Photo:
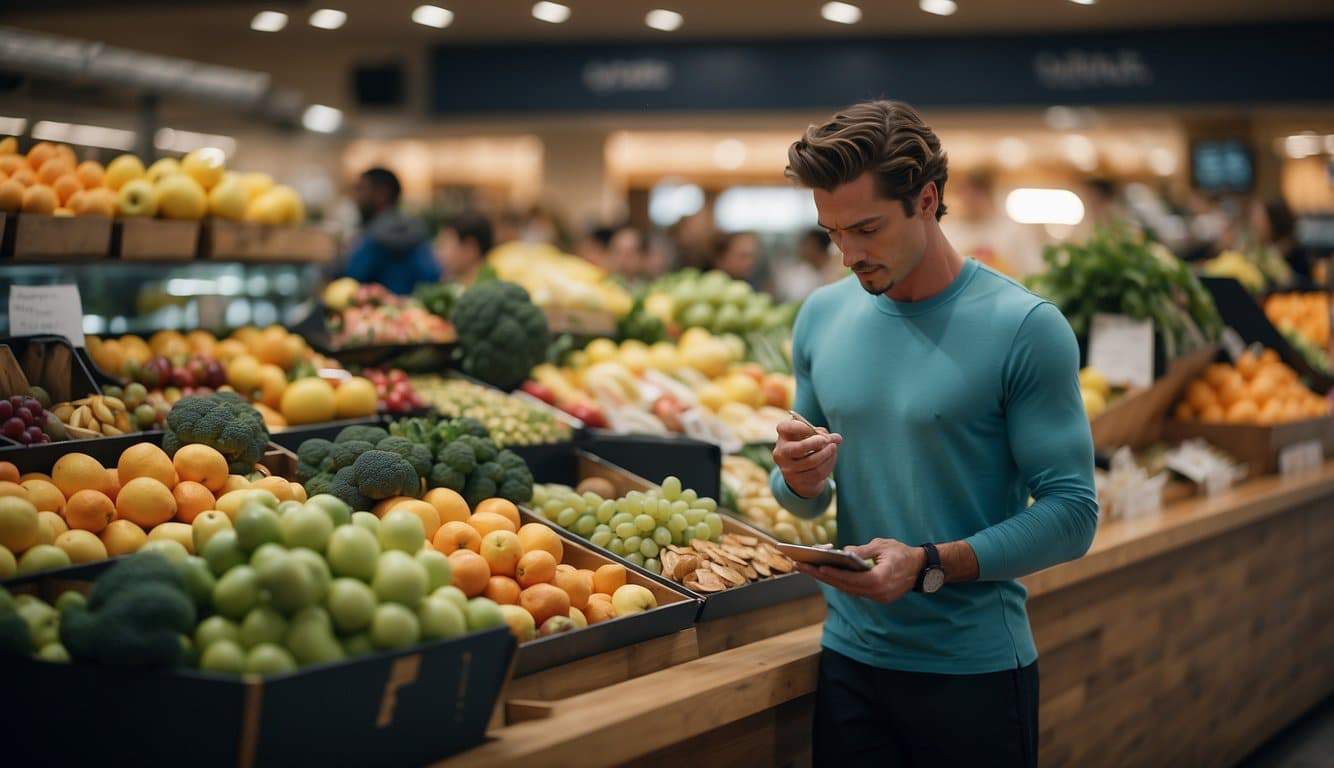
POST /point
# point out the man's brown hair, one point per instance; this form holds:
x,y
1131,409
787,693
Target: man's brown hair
x,y
885,138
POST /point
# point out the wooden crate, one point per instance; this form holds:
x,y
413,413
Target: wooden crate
x,y
157,240
38,237
243,241
1258,447
1137,419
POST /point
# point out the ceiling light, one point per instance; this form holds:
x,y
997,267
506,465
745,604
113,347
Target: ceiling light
x,y
322,119
13,126
1297,146
1084,2
176,140
328,18
841,13
664,20
551,13
938,7
268,21
1044,206
433,16
729,154
83,135
1080,151
1162,161
1011,152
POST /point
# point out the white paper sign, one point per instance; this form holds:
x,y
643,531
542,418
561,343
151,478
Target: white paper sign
x,y
57,309
1301,457
1122,349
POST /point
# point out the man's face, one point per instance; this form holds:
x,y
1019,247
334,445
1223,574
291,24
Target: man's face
x,y
880,243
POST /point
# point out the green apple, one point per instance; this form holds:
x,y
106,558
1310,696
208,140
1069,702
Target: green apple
x,y
223,552
287,506
312,642
265,553
262,625
214,629
484,614
54,652
338,512
223,656
315,614
440,618
632,598
67,598
366,520
351,604
394,626
402,530
438,570
199,581
269,659
42,620
289,583
358,644
399,578
174,551
236,592
307,527
319,570
206,526
257,524
454,595
9,566
353,551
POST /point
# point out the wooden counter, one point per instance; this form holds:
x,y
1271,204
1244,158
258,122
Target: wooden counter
x,y
1184,639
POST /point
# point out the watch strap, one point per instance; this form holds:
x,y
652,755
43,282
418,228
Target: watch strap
x,y
932,561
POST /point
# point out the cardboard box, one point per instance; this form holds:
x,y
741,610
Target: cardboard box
x,y
38,237
244,241
1256,446
157,240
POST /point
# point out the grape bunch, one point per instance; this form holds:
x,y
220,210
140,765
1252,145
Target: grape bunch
x,y
24,420
636,526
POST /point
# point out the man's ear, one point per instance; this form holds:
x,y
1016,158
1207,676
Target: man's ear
x,y
929,200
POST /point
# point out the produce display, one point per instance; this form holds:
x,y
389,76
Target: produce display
x,y
1258,389
1303,319
746,492
715,302
509,420
502,334
734,561
556,280
636,526
25,420
49,180
1096,392
394,393
1255,268
366,315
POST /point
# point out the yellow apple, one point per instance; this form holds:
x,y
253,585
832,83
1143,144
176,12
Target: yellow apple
x,y
632,598
256,184
163,168
205,166
280,205
136,198
228,199
181,197
122,169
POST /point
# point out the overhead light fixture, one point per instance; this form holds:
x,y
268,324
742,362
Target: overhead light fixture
x,y
175,140
1044,206
1300,145
328,18
1080,151
939,7
433,16
1084,2
13,126
841,13
268,21
664,20
1162,161
1011,152
83,135
322,119
551,13
729,154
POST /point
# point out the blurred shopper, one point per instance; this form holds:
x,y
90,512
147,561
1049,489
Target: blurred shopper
x,y
978,230
943,395
393,249
625,253
595,247
461,247
814,266
1273,226
738,255
1102,209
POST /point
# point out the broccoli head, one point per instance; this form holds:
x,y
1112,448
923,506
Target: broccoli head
x,y
478,488
136,617
344,486
502,334
222,420
366,432
319,483
419,456
459,455
516,482
381,474
482,447
451,430
312,452
445,476
344,454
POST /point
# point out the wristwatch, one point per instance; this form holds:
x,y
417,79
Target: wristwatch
x,y
932,577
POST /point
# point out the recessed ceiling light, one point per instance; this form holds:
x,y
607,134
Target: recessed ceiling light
x,y
664,20
1084,2
322,119
841,13
328,18
268,21
433,16
552,13
938,7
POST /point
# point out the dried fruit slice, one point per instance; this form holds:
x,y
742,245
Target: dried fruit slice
x,y
730,575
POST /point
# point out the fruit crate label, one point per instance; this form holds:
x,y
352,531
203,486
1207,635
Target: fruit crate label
x,y
1301,457
1122,349
36,309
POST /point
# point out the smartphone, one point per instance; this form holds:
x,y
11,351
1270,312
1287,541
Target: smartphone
x,y
836,558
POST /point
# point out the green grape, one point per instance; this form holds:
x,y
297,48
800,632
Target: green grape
x,y
652,564
662,536
682,538
626,530
620,517
715,523
600,538
679,507
623,505
552,507
689,496
592,499
635,497
634,506
706,504
677,523
671,488
586,524
539,495
578,503
632,543
567,517
616,545
649,547
636,558
695,516
665,507
702,531
645,523
602,527
606,510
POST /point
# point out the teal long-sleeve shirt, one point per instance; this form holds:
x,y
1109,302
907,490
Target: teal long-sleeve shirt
x,y
953,410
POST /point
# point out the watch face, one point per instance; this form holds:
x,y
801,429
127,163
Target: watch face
x,y
933,580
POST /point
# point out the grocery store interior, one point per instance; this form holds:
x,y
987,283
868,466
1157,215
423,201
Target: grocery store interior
x,y
448,356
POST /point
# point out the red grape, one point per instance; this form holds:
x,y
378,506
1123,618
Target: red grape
x,y
45,438
34,434
14,428
25,415
6,410
33,406
16,401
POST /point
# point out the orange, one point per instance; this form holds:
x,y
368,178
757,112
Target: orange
x,y
565,567
609,578
192,499
40,153
1264,386
89,511
9,472
544,601
502,551
76,202
299,492
599,611
1213,414
55,525
502,589
272,384
11,195
26,476
44,495
14,489
181,533
453,536
1216,374
233,483
270,346
202,342
113,483
471,573
122,537
1183,412
448,503
39,198
66,187
76,472
25,176
486,522
243,374
146,460
1200,396
578,587
90,173
10,163
278,486
1231,393
82,546
424,512
534,536
201,464
1272,412
1243,411
1247,365
272,419
228,349
503,507
145,501
53,169
383,506
536,567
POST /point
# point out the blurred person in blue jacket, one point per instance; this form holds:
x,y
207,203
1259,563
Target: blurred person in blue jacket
x,y
394,249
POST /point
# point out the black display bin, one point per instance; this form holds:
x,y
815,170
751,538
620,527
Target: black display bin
x,y
698,464
1243,314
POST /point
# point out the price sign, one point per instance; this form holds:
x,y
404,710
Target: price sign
x,y
1122,349
57,309
1301,457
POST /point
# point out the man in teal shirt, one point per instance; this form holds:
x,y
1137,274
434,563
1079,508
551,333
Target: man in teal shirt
x,y
945,395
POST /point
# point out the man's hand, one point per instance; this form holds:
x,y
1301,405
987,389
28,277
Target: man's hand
x,y
806,458
893,575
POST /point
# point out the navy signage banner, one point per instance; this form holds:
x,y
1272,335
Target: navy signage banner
x,y
1210,65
